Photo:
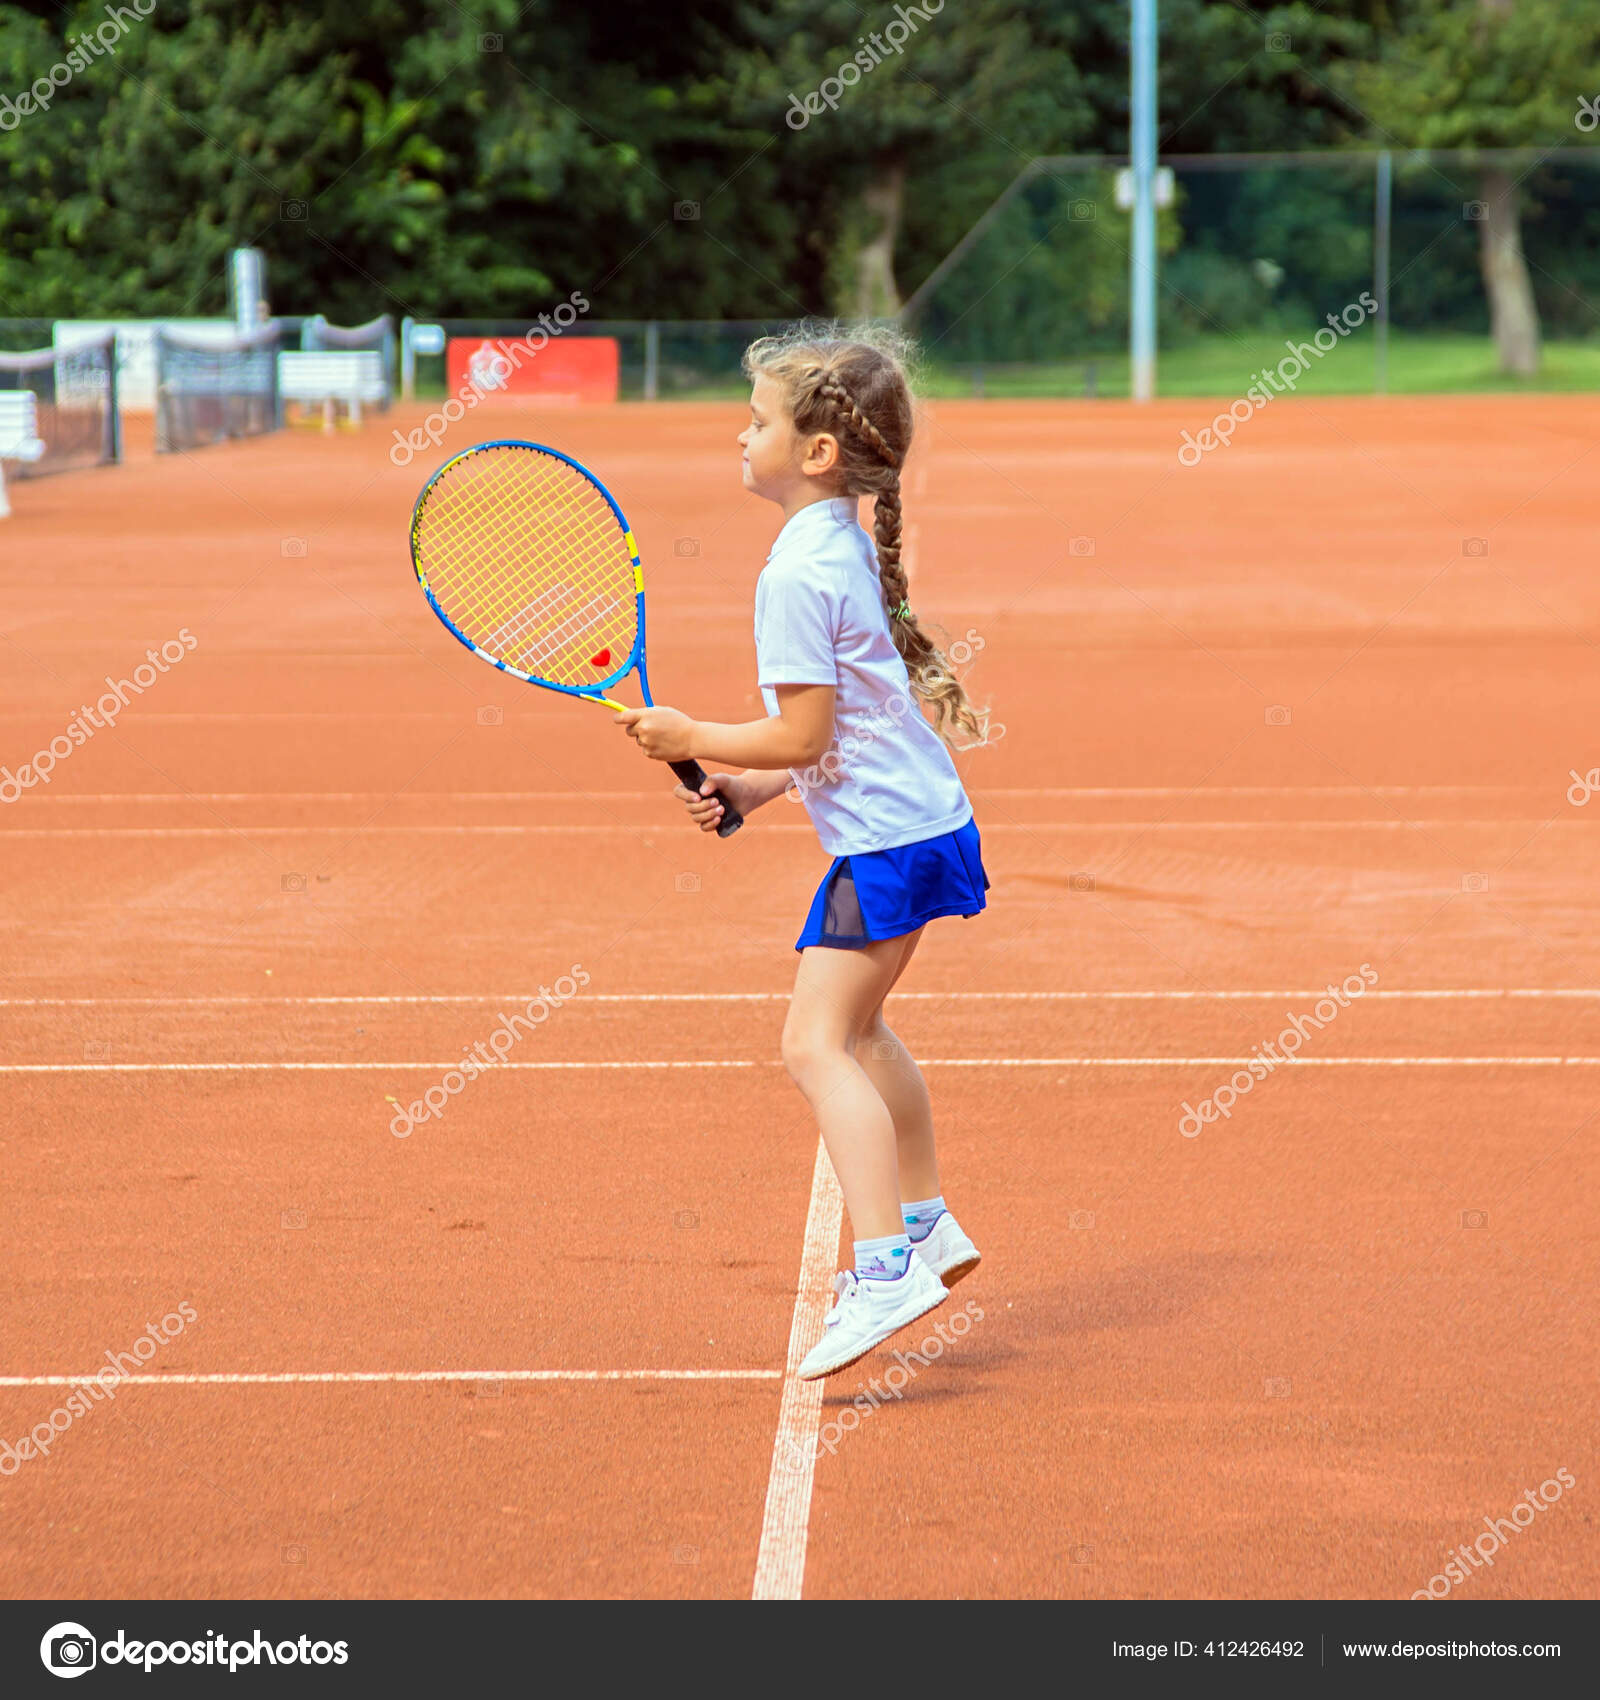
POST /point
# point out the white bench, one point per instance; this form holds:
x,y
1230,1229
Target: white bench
x,y
19,434
326,377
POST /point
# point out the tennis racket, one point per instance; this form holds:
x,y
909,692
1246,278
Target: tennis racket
x,y
526,558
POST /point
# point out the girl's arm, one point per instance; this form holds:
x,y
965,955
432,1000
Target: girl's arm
x,y
795,736
761,785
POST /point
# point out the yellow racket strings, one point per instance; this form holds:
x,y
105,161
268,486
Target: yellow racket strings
x,y
528,561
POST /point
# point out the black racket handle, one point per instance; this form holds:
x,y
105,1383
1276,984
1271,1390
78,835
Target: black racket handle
x,y
694,776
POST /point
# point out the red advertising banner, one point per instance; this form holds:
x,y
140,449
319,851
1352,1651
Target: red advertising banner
x,y
572,369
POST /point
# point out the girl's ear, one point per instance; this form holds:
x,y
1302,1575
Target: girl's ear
x,y
821,456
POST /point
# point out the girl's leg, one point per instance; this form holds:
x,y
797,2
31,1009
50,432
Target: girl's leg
x,y
899,1083
836,993
943,1246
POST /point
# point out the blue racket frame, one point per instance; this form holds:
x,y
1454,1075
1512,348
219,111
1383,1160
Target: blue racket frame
x,y
636,657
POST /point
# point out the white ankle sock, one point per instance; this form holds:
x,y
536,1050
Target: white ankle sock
x,y
921,1216
886,1259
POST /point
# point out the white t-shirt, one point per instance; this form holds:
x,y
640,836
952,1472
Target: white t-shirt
x,y
887,778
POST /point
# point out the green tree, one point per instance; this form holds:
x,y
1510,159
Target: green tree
x,y
1233,78
878,109
386,155
1487,75
154,156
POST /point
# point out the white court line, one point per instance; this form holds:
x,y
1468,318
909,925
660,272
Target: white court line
x,y
618,828
785,1524
179,797
428,998
453,1063
309,1378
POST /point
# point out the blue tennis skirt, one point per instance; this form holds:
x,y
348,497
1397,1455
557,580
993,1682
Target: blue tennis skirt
x,y
886,894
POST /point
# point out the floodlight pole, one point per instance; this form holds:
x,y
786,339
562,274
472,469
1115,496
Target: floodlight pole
x,y
1142,157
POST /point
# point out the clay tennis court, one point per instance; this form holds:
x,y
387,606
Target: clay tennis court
x,y
1311,705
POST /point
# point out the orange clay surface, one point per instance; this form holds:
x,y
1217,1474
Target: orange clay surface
x,y
1266,720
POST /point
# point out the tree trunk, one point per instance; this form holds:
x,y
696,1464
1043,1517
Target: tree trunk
x,y
1513,313
875,293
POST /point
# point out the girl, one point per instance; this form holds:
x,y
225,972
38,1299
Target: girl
x,y
844,666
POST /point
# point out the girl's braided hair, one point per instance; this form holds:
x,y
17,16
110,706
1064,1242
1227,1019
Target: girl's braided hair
x,y
854,387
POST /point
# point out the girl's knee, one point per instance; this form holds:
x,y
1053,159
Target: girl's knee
x,y
805,1049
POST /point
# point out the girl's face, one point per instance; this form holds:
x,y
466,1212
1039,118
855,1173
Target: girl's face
x,y
778,463
771,451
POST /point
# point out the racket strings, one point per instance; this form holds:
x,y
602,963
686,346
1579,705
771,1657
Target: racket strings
x,y
527,560
520,531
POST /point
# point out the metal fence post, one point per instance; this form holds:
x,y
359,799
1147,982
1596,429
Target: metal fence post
x,y
1382,218
115,400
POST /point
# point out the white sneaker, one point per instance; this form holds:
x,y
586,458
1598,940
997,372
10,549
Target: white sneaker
x,y
947,1251
867,1312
